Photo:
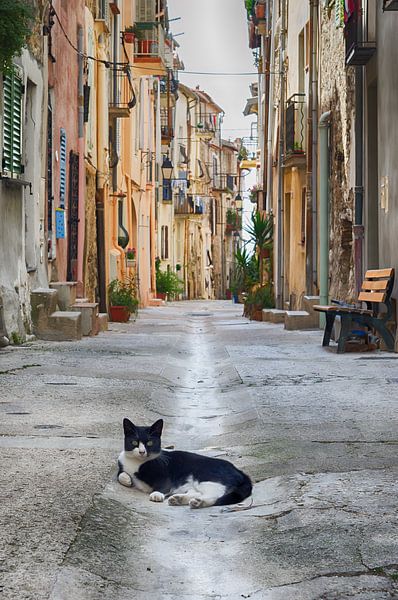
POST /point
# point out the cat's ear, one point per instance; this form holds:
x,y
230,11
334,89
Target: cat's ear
x,y
129,427
157,427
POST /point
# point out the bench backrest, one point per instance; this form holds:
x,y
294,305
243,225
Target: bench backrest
x,y
377,286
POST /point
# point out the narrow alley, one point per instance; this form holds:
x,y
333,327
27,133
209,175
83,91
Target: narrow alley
x,y
316,432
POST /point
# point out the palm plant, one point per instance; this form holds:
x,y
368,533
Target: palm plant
x,y
261,232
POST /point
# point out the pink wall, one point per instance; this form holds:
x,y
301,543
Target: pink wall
x,y
63,82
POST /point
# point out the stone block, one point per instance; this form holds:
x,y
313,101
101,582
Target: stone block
x,y
102,322
64,326
67,291
298,319
89,312
277,315
266,314
43,303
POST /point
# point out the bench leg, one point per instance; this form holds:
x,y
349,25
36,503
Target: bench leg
x,y
345,330
385,333
330,316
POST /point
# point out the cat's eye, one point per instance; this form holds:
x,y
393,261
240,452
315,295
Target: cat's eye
x,y
135,443
149,443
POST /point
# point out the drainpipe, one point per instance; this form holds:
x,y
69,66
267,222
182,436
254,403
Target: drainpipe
x,y
281,187
358,212
314,176
271,110
324,124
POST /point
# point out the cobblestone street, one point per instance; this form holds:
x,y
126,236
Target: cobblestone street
x,y
316,431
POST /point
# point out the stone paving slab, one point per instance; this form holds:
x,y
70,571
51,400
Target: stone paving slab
x,y
315,430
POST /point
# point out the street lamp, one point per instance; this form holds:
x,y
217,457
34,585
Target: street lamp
x,y
238,202
167,168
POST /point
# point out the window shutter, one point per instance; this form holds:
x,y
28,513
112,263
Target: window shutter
x,y
62,173
12,125
145,11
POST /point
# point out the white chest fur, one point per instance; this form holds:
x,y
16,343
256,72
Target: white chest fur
x,y
131,464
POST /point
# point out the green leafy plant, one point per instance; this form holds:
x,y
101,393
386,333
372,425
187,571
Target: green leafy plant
x,y
261,230
123,293
260,297
16,19
167,282
246,272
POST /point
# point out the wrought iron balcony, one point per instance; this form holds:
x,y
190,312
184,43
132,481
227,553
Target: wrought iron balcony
x,y
358,48
189,205
207,124
149,45
121,97
234,221
390,5
222,181
295,125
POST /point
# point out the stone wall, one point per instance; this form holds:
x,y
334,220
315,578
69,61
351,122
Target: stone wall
x,y
90,239
337,95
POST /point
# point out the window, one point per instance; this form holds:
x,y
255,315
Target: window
x,y
165,242
12,124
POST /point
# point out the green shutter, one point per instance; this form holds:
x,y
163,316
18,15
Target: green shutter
x,y
12,131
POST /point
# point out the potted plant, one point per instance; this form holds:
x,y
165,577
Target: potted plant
x,y
258,298
260,10
168,285
123,301
129,35
130,257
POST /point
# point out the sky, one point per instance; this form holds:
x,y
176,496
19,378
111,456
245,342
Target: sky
x,y
215,39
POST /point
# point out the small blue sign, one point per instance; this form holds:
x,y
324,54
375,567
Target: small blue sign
x,y
60,223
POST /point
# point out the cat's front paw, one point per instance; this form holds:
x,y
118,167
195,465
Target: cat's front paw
x,y
125,479
156,497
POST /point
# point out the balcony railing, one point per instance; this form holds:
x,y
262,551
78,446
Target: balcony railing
x,y
295,125
189,205
224,182
207,124
390,5
358,48
234,221
149,43
121,97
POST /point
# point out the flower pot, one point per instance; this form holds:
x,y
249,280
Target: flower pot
x,y
228,294
161,295
260,11
129,37
131,263
266,253
119,314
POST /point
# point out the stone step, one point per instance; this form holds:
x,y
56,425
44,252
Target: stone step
x,y
89,312
102,322
43,303
156,302
67,292
266,314
298,319
277,315
62,326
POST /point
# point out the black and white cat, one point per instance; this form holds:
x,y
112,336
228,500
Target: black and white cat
x,y
182,477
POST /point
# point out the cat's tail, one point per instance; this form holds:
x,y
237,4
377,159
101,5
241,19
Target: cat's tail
x,y
237,493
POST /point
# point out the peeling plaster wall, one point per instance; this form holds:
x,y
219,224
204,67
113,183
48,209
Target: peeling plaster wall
x,y
337,95
23,263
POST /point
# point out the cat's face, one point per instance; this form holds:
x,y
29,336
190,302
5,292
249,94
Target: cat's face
x,y
142,442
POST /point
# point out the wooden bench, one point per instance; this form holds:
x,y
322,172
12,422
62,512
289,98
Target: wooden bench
x,y
375,292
